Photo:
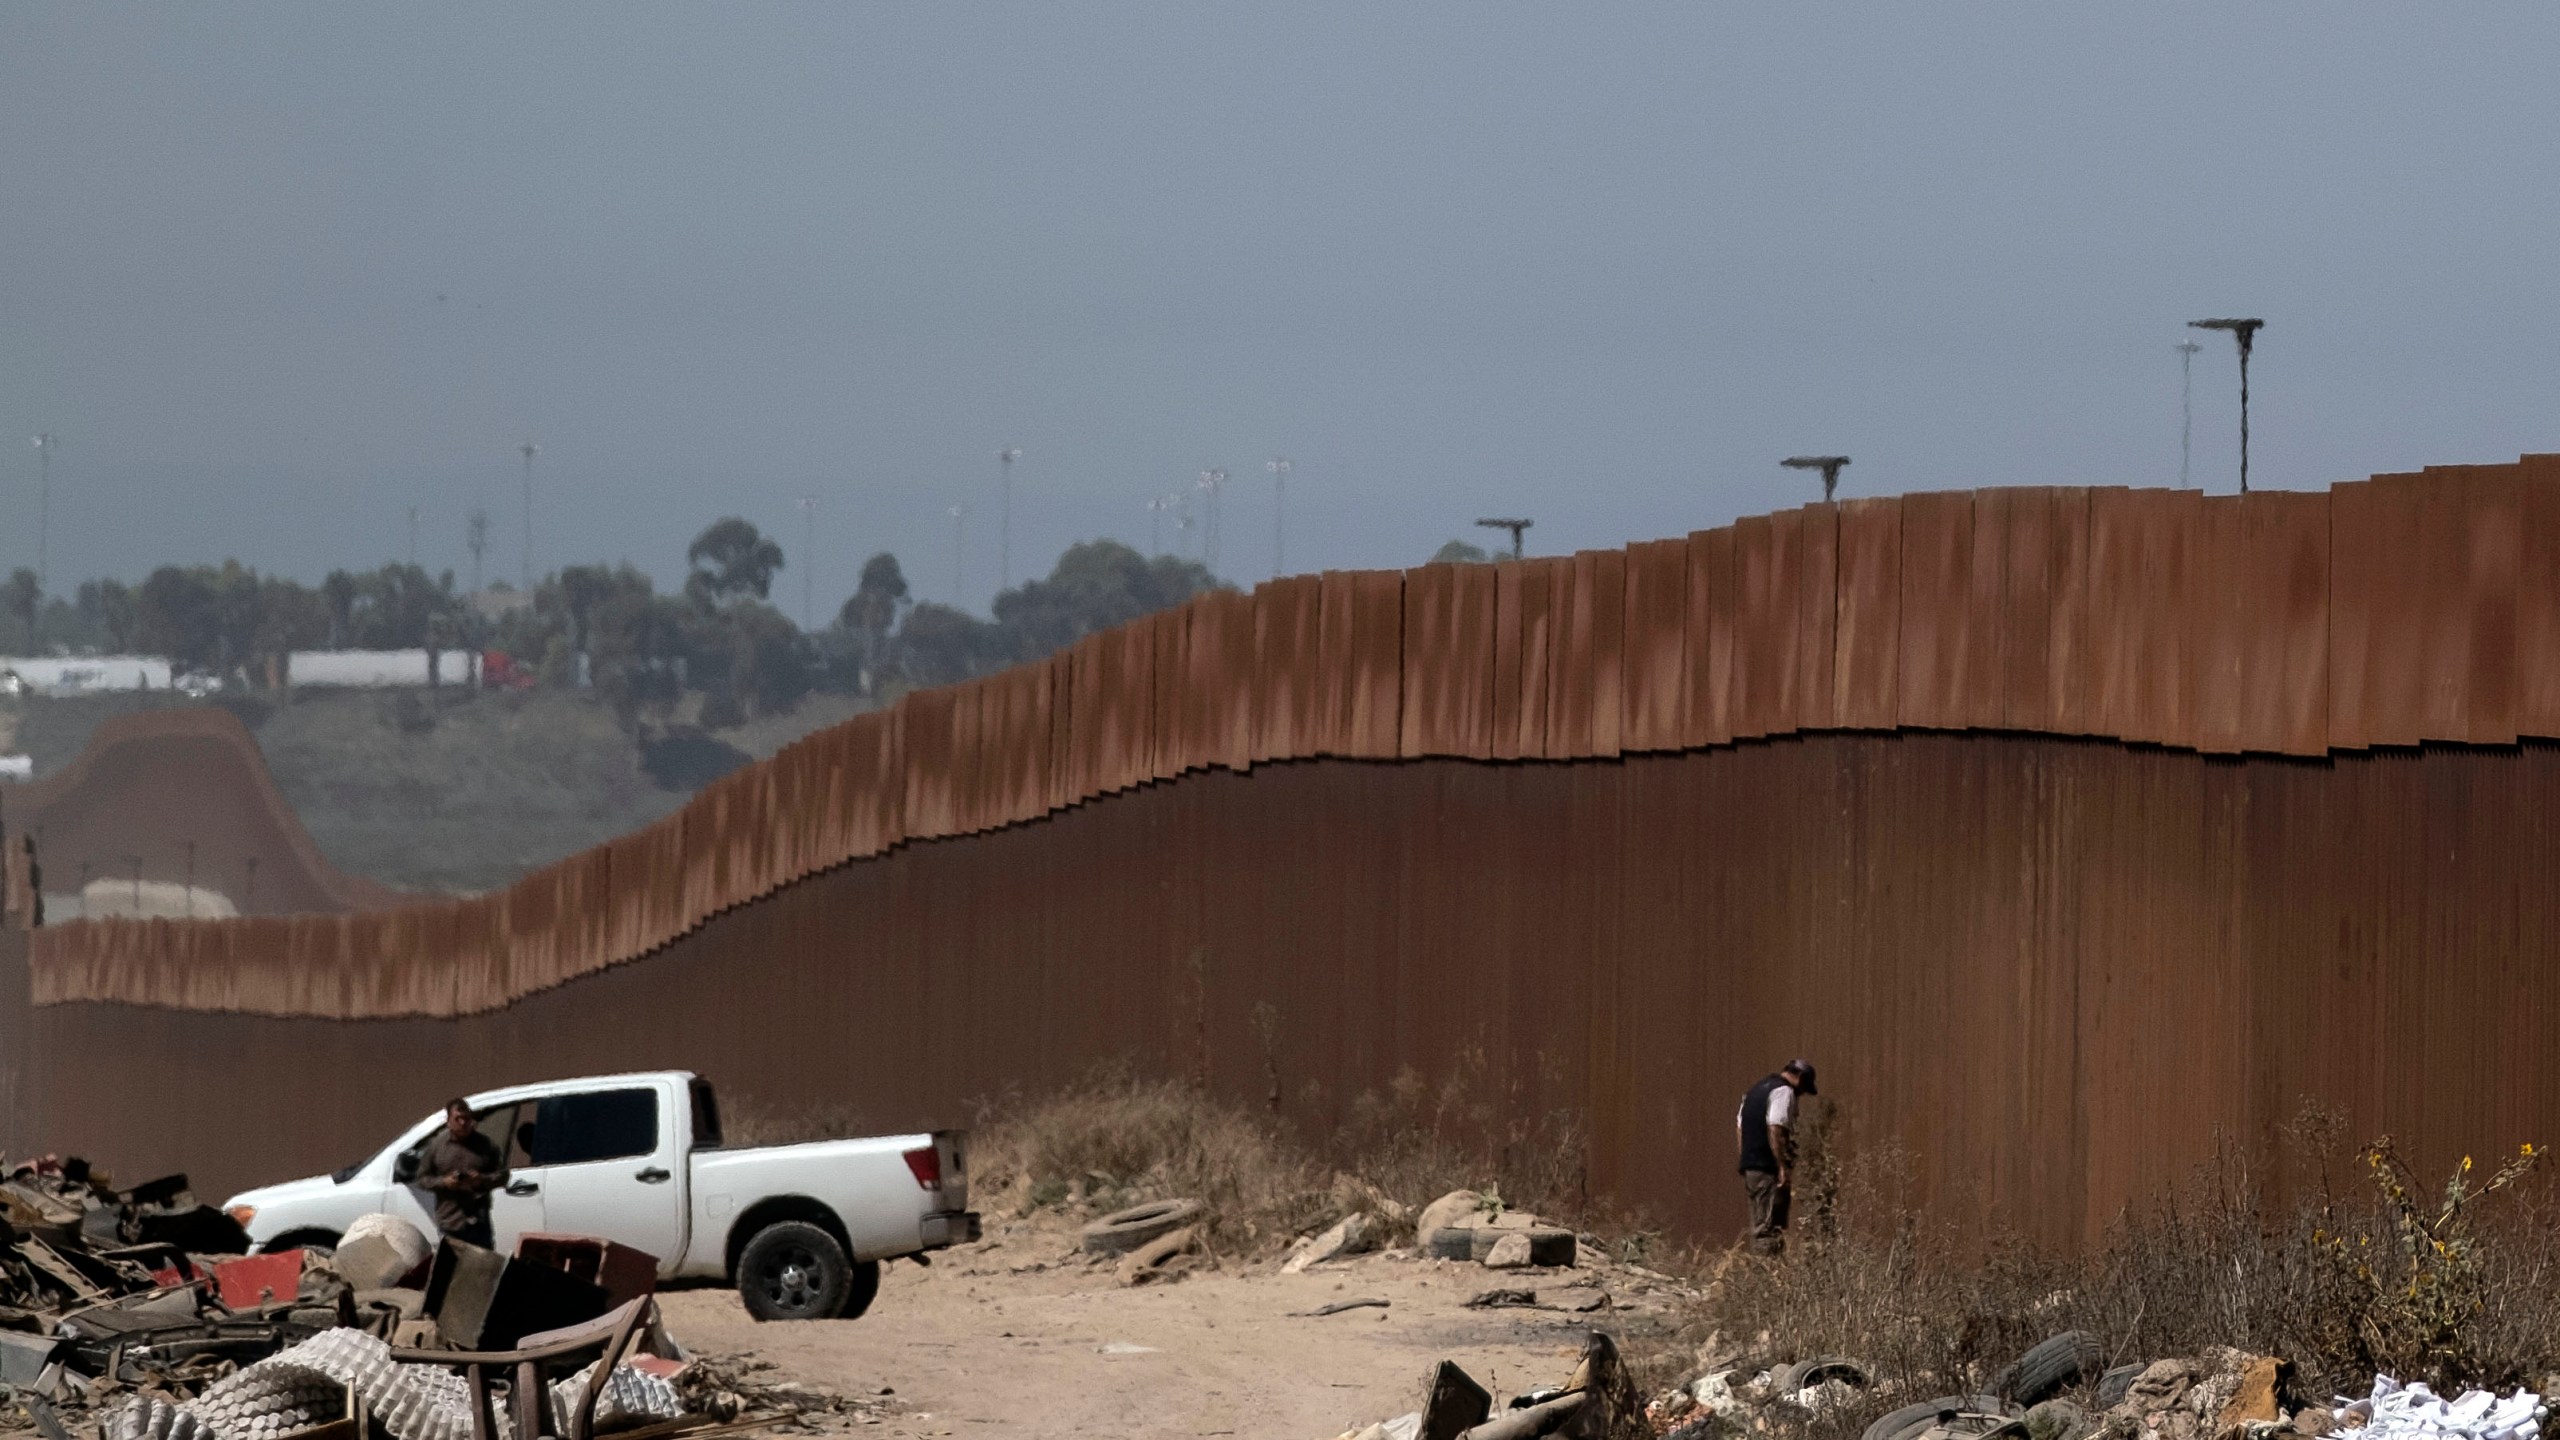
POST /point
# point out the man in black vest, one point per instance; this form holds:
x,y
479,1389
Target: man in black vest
x,y
1764,1130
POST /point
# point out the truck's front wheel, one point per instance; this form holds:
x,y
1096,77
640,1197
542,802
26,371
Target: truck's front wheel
x,y
792,1270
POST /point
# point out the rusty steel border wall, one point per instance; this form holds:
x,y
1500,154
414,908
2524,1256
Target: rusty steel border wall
x,y
2390,612
2073,830
2053,973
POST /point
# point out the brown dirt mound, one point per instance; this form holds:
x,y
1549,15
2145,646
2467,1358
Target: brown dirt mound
x,y
185,796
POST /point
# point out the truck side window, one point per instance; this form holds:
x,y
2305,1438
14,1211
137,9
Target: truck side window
x,y
598,1125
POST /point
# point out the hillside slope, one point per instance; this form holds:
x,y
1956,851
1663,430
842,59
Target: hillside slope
x,y
451,790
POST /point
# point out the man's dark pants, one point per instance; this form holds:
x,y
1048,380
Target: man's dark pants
x,y
475,1233
1768,1211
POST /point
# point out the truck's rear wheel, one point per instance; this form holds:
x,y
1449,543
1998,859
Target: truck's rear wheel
x,y
792,1270
865,1289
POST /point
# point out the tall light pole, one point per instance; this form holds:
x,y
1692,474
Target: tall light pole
x,y
808,559
1155,522
1829,465
1278,465
959,531
475,535
2186,409
1210,483
528,450
2245,332
413,537
45,446
1004,549
1517,527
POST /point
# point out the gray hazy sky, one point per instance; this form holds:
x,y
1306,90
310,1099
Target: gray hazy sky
x,y
275,273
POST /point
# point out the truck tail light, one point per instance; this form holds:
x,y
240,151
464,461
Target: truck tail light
x,y
926,1162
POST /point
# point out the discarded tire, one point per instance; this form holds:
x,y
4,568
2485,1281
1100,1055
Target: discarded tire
x,y
1788,1379
1548,1244
792,1270
1122,1231
2041,1373
2113,1385
1912,1419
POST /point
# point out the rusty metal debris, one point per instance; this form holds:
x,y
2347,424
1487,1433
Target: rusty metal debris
x,y
136,1315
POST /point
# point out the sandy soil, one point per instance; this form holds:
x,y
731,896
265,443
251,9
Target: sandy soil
x,y
1018,1336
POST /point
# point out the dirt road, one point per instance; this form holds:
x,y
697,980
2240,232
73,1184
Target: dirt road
x,y
985,1344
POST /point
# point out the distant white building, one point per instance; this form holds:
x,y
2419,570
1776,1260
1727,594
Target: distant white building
x,y
83,674
380,669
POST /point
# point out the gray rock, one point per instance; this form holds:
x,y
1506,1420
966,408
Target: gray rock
x,y
1458,1207
1349,1236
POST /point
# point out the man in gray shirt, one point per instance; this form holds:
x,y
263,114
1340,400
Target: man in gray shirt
x,y
461,1168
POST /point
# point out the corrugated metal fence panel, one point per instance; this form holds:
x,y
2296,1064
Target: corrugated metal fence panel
x,y
1377,662
1065,786
1602,586
2495,554
2356,545
1657,626
1430,613
1817,619
1286,619
1710,715
2398,620
924,722
1569,681
1986,670
2538,598
1470,662
2217,626
1870,641
1336,660
2028,604
1166,735
1227,688
1504,742
1126,734
2074,701
1769,579
2285,589
2114,658
1937,610
1540,581
2443,585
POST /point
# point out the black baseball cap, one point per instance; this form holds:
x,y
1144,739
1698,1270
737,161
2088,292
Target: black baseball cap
x,y
1804,1071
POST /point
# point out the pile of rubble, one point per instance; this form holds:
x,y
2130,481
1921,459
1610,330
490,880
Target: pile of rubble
x,y
1598,1401
137,1315
2064,1389
1165,1239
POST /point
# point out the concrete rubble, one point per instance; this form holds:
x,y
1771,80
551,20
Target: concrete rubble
x,y
2064,1390
1598,1401
137,1315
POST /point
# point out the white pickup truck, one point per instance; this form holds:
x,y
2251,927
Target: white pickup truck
x,y
800,1229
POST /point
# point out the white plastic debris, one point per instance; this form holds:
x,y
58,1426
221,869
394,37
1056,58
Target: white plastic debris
x,y
631,1397
2413,1412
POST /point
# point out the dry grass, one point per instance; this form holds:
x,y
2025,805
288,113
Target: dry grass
x,y
2455,1288
1119,1138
